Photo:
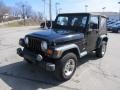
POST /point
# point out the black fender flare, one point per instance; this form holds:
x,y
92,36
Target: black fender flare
x,y
66,48
100,39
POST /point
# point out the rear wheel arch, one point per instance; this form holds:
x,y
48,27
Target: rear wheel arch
x,y
105,39
100,52
100,40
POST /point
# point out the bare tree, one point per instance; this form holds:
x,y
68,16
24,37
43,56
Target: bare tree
x,y
3,10
15,12
20,10
28,11
40,16
25,10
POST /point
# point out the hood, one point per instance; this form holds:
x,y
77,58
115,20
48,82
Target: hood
x,y
58,35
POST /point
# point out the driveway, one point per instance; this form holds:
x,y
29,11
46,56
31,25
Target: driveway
x,y
92,73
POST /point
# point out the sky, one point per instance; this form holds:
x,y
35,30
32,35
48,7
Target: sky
x,y
71,5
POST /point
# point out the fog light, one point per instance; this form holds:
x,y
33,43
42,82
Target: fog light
x,y
19,52
39,58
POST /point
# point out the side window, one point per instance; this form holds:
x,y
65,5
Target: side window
x,y
103,23
94,22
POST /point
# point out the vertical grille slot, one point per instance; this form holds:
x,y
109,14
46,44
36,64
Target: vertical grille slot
x,y
34,44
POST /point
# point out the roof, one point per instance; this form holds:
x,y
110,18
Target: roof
x,y
99,14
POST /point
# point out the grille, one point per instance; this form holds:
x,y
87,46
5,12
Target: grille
x,y
34,44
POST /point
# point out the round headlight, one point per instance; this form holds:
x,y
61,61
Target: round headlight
x,y
26,40
44,45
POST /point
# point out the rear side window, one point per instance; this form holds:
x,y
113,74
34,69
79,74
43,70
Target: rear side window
x,y
94,22
103,23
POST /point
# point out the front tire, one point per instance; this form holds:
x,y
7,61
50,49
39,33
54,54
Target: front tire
x,y
100,52
65,67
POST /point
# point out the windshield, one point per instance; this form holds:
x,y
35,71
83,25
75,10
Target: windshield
x,y
71,21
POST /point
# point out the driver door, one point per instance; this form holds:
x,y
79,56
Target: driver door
x,y
92,33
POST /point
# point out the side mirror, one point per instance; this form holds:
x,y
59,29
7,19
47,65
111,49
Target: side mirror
x,y
49,24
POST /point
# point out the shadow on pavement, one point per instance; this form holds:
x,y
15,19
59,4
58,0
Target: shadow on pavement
x,y
32,73
90,56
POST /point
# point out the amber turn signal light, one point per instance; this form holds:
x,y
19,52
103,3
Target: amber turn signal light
x,y
49,52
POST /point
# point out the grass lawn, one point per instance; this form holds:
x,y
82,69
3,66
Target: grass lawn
x,y
21,23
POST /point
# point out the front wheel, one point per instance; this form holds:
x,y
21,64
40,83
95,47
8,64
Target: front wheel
x,y
66,67
100,52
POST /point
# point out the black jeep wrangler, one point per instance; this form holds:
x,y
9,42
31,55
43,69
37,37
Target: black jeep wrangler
x,y
72,36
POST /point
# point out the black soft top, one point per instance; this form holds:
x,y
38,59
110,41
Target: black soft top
x,y
98,14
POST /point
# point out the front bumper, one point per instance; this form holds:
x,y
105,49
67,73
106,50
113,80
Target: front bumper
x,y
36,58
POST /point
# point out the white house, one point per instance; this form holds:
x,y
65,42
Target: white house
x,y
5,16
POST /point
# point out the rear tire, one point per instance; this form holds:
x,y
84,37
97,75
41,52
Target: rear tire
x,y
100,52
65,67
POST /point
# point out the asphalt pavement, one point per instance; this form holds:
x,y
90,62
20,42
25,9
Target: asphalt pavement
x,y
92,73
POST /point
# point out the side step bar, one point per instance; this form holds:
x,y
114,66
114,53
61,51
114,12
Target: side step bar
x,y
83,54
